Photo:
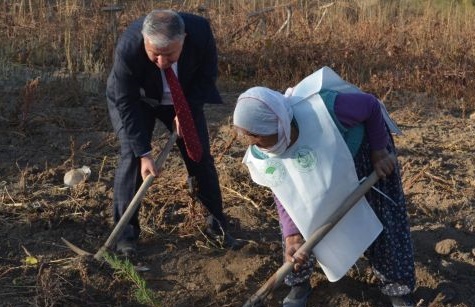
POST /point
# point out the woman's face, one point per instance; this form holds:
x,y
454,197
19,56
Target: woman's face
x,y
261,141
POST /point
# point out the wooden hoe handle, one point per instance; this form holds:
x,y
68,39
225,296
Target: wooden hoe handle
x,y
129,212
278,277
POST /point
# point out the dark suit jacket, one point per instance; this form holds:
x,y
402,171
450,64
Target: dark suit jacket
x,y
132,70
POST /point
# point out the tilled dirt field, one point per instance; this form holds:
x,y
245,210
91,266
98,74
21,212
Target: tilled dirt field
x,y
59,128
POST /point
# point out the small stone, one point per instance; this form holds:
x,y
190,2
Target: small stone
x,y
76,176
446,246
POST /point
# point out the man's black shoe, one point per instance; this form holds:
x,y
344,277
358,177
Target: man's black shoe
x,y
127,248
224,239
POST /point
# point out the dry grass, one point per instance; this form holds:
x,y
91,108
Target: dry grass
x,y
419,46
416,46
387,48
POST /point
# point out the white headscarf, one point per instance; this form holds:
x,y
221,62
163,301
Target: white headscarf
x,y
262,111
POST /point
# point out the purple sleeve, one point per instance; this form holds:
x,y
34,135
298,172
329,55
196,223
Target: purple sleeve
x,y
288,226
352,109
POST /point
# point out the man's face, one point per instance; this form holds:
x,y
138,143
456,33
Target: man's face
x,y
166,56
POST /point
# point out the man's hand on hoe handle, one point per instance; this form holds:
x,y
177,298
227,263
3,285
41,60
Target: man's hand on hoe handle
x,y
148,167
147,164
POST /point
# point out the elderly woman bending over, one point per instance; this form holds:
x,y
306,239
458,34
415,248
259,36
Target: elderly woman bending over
x,y
296,140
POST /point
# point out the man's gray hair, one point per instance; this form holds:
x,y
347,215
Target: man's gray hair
x,y
162,27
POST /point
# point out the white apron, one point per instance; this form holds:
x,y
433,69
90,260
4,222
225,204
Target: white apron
x,y
312,178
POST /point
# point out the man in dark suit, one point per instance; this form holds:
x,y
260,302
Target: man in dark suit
x,y
138,94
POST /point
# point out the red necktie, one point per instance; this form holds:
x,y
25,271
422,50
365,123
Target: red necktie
x,y
182,110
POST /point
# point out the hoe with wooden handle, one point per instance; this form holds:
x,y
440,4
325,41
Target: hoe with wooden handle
x,y
134,204
277,278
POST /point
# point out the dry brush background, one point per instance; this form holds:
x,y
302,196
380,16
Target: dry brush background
x,y
418,56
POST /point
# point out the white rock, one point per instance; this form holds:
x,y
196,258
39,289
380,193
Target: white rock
x,y
446,246
76,176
